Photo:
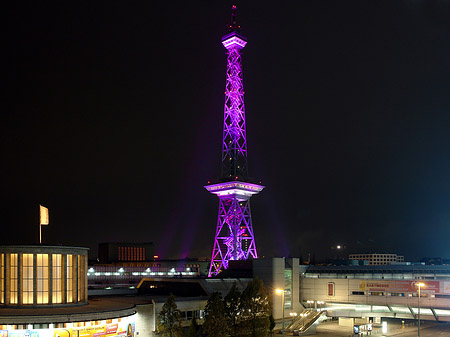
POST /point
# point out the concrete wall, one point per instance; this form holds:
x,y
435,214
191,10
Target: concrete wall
x,y
344,301
145,321
271,272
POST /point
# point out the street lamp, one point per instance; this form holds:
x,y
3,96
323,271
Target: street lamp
x,y
319,303
281,292
420,285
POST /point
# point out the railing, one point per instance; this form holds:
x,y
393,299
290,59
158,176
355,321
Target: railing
x,y
304,321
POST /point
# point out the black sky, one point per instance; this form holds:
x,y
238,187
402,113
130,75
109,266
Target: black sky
x,y
113,110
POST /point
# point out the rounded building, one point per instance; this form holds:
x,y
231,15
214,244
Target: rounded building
x,y
44,293
43,275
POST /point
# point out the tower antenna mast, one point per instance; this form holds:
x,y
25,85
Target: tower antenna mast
x,y
234,239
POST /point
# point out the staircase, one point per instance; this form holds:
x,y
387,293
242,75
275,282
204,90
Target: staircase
x,y
304,321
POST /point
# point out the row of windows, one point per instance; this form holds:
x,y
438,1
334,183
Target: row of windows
x,y
131,254
35,286
378,257
370,256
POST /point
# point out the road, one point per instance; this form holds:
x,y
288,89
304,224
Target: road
x,y
441,330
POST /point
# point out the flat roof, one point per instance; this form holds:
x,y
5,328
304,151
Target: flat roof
x,y
390,269
96,309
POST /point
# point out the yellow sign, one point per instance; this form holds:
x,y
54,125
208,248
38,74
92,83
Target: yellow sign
x,y
63,333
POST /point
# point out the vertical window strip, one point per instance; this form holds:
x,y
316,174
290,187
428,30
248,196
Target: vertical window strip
x,y
288,289
2,280
27,280
13,278
56,278
42,278
80,272
69,279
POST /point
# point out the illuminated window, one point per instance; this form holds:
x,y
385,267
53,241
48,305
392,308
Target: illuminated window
x,y
330,289
80,273
57,278
27,281
69,278
14,278
288,289
2,281
42,278
376,293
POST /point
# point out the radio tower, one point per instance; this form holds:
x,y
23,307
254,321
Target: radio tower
x,y
234,239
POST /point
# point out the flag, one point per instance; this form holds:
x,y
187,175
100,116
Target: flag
x,y
44,215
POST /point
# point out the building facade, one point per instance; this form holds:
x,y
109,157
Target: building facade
x,y
377,259
126,252
43,293
379,291
42,275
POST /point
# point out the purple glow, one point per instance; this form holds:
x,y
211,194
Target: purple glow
x,y
234,144
234,239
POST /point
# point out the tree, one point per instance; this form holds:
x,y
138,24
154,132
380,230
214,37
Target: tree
x,y
232,309
193,328
215,324
169,319
255,310
272,324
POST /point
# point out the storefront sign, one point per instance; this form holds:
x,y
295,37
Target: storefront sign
x,y
399,286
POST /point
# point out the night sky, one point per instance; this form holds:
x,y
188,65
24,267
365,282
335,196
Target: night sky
x,y
113,111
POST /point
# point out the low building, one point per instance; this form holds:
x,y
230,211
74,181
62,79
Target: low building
x,y
379,291
43,293
126,252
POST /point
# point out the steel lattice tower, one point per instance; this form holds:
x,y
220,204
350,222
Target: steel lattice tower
x,y
234,239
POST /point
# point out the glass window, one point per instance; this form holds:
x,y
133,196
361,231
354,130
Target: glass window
x,y
27,280
80,272
2,280
331,289
288,289
14,278
42,278
57,278
69,278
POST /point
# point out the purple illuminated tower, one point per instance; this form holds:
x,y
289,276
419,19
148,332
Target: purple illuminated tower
x,y
234,239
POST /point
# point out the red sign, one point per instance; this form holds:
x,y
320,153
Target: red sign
x,y
111,328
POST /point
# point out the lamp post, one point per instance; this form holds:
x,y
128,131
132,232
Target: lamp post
x,y
319,303
293,315
420,285
281,292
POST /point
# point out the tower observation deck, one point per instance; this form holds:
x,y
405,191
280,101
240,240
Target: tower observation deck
x,y
234,239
